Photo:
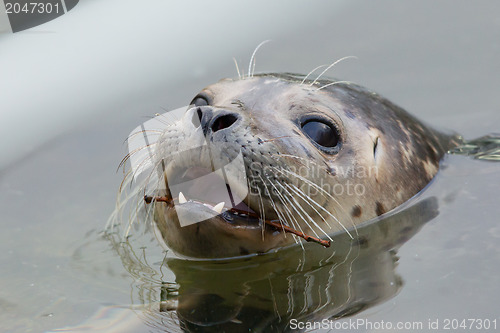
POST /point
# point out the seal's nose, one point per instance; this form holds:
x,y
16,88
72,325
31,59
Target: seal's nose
x,y
214,120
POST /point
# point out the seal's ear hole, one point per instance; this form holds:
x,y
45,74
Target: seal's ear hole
x,y
375,145
323,134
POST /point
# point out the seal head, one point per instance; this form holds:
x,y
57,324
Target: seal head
x,y
319,157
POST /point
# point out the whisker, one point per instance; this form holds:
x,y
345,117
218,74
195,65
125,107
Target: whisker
x,y
322,208
144,131
307,198
302,159
333,64
295,238
169,120
259,202
124,198
276,138
262,211
273,204
127,157
144,162
308,74
294,206
306,214
121,202
290,222
279,225
161,117
133,214
324,193
332,83
237,68
252,59
281,198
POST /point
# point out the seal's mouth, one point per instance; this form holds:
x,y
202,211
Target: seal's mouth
x,y
237,216
201,188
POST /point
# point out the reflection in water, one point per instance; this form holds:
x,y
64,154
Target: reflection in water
x,y
264,292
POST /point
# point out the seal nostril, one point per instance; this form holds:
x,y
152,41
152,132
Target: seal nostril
x,y
224,121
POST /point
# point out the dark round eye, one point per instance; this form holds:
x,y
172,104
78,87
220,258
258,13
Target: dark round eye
x,y
199,101
323,134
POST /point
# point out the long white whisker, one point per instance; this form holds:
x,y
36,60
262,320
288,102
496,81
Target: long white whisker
x,y
310,218
322,191
259,201
323,209
333,64
295,238
252,59
307,198
142,164
165,118
144,132
140,203
308,74
262,211
332,83
237,68
124,197
272,203
289,213
303,159
135,151
295,225
294,205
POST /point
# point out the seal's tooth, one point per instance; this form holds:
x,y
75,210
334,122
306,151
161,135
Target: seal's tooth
x,y
218,207
182,198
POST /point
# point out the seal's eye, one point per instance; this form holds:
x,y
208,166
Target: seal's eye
x,y
199,101
323,134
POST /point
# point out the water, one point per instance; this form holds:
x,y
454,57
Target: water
x,y
437,60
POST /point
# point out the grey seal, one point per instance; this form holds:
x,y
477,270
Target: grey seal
x,y
318,158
